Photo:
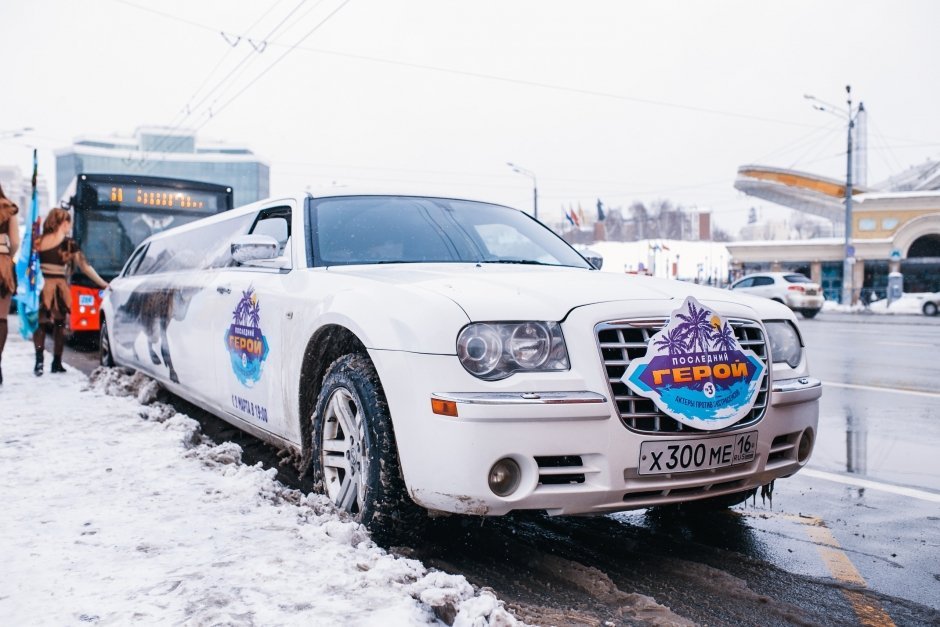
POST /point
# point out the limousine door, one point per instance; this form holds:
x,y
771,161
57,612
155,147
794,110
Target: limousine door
x,y
159,321
251,308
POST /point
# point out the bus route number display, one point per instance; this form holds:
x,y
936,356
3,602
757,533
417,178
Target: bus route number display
x,y
141,196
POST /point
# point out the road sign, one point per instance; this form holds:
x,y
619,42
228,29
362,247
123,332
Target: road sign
x,y
895,255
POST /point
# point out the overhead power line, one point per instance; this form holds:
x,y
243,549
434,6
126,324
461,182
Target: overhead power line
x,y
164,143
496,77
228,102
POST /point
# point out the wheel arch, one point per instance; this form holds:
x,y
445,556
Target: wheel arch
x,y
325,346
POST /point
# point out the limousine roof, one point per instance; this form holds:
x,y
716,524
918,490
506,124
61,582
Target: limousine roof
x,y
360,190
325,192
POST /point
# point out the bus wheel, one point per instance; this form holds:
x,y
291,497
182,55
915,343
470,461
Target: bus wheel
x,y
105,358
355,458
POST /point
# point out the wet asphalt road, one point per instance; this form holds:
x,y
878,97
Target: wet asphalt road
x,y
854,539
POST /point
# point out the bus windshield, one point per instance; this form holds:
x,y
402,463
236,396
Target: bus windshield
x,y
114,213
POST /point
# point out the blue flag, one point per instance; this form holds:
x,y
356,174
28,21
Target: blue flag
x,y
27,267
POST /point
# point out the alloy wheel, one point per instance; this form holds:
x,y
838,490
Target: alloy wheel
x,y
344,454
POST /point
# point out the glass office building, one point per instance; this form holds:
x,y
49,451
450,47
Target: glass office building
x,y
158,151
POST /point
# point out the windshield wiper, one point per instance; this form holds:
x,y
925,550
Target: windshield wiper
x,y
526,262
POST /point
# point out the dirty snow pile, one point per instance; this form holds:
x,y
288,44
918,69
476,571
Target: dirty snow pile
x,y
117,511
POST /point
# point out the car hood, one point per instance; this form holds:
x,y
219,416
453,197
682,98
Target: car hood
x,y
489,292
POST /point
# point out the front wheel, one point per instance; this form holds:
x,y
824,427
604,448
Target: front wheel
x,y
930,309
355,461
105,358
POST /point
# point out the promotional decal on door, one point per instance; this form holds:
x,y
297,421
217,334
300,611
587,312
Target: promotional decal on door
x,y
246,344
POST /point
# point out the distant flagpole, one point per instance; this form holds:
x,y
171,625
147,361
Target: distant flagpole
x,y
27,267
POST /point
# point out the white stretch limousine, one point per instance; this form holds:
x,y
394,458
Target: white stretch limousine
x,y
460,356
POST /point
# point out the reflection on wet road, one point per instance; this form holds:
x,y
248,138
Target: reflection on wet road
x,y
883,434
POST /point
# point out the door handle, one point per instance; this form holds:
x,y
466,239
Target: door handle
x,y
223,290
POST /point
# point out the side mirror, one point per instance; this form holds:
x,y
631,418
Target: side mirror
x,y
594,258
248,248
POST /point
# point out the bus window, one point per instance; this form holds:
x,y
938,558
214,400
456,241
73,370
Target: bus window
x,y
113,213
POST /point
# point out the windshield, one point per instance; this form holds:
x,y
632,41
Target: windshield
x,y
405,229
796,278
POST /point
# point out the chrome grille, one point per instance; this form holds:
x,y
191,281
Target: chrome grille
x,y
622,341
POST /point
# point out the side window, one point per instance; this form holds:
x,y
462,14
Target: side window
x,y
275,223
744,283
206,246
130,269
760,281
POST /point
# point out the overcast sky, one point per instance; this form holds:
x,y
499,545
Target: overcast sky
x,y
619,100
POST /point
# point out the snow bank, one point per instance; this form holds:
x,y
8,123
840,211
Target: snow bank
x,y
118,511
908,304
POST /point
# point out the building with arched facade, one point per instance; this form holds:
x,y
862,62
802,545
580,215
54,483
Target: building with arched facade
x,y
891,232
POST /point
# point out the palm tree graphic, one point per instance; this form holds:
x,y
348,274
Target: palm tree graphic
x,y
696,327
243,308
724,338
254,313
674,341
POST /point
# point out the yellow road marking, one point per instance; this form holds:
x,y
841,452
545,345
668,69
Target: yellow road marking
x,y
842,568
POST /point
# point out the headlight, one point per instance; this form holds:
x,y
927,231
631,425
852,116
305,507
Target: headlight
x,y
495,350
784,343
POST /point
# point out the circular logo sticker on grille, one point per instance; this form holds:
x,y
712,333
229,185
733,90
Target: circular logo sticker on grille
x,y
697,371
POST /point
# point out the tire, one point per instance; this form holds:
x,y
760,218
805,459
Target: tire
x,y
105,357
809,313
930,309
355,458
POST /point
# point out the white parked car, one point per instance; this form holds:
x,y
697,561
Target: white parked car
x,y
460,357
790,288
931,304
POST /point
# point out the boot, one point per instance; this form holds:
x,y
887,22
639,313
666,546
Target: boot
x,y
57,364
37,369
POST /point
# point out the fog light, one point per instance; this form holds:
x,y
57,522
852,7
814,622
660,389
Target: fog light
x,y
805,447
504,477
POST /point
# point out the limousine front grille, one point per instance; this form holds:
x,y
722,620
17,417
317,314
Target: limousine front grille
x,y
622,341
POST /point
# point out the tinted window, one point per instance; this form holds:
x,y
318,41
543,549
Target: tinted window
x,y
796,278
207,246
403,229
762,280
743,283
134,262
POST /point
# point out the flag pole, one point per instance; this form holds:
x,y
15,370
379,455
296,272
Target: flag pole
x,y
27,267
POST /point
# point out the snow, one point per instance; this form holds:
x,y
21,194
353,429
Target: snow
x,y
908,304
118,511
692,259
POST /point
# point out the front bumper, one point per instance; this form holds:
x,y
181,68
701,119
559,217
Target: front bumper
x,y
575,454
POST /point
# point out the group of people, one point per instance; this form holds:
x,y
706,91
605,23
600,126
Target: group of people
x,y
59,254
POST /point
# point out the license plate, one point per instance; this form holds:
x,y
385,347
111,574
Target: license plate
x,y
671,456
86,300
810,292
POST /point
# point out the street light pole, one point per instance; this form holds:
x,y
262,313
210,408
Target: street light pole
x,y
848,263
848,253
535,187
